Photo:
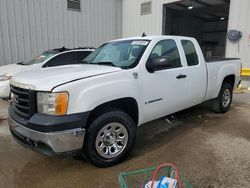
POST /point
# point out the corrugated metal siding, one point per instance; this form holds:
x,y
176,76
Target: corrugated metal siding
x,y
135,24
239,19
28,27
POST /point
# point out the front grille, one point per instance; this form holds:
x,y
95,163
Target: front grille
x,y
23,102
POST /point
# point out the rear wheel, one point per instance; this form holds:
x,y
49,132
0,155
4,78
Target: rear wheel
x,y
110,138
223,102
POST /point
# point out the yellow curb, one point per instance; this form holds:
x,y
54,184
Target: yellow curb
x,y
245,72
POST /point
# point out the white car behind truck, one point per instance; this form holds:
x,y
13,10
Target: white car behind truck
x,y
49,58
95,108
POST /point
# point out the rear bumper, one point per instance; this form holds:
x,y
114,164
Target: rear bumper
x,y
53,143
5,89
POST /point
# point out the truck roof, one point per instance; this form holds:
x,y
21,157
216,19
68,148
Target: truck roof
x,y
63,49
154,37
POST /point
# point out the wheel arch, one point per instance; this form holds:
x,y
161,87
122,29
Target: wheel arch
x,y
127,104
229,79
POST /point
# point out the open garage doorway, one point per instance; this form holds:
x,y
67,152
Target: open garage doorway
x,y
205,20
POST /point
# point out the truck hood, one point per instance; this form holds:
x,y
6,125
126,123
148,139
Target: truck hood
x,y
47,79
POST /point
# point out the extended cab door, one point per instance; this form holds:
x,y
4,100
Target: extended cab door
x,y
164,91
195,71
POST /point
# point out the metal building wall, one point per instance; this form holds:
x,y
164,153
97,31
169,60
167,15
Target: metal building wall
x,y
135,24
28,27
239,18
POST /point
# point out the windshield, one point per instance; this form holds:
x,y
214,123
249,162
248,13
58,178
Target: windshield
x,y
40,58
123,54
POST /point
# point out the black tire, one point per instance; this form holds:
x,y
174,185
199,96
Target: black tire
x,y
219,105
111,116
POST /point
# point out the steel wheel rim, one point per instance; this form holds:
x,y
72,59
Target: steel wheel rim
x,y
226,98
111,140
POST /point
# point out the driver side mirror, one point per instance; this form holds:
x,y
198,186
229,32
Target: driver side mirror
x,y
158,63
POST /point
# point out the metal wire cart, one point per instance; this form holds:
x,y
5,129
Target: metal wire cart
x,y
149,178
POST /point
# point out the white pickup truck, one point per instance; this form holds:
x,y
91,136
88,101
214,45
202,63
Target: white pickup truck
x,y
49,58
95,107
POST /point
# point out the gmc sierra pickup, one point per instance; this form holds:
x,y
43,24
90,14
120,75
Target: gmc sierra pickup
x,y
95,107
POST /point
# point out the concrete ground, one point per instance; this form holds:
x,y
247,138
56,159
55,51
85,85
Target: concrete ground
x,y
210,150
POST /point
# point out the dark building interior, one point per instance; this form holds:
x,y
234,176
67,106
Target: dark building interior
x,y
205,20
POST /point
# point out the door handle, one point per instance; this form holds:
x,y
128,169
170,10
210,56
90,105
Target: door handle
x,y
181,76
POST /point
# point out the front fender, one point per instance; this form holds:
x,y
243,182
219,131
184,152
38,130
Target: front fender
x,y
96,95
87,94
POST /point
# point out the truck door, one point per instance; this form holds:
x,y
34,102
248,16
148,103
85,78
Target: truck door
x,y
164,90
195,71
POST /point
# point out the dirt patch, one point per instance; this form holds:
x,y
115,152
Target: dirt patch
x,y
233,159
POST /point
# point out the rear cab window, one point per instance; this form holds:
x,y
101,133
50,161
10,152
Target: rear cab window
x,y
190,52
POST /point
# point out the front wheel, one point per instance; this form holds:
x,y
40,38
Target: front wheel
x,y
110,138
223,102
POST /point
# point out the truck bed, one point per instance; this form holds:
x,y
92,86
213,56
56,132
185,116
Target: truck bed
x,y
217,59
217,69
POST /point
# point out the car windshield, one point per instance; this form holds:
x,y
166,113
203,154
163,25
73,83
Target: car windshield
x,y
123,54
40,58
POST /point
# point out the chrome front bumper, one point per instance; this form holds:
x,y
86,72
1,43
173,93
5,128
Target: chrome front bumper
x,y
48,143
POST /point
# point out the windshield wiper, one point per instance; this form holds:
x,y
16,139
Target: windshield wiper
x,y
106,63
84,62
21,63
99,63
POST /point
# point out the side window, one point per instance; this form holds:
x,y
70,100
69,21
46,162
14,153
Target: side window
x,y
63,59
167,48
190,52
80,55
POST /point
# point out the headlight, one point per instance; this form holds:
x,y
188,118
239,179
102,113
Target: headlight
x,y
4,78
52,103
